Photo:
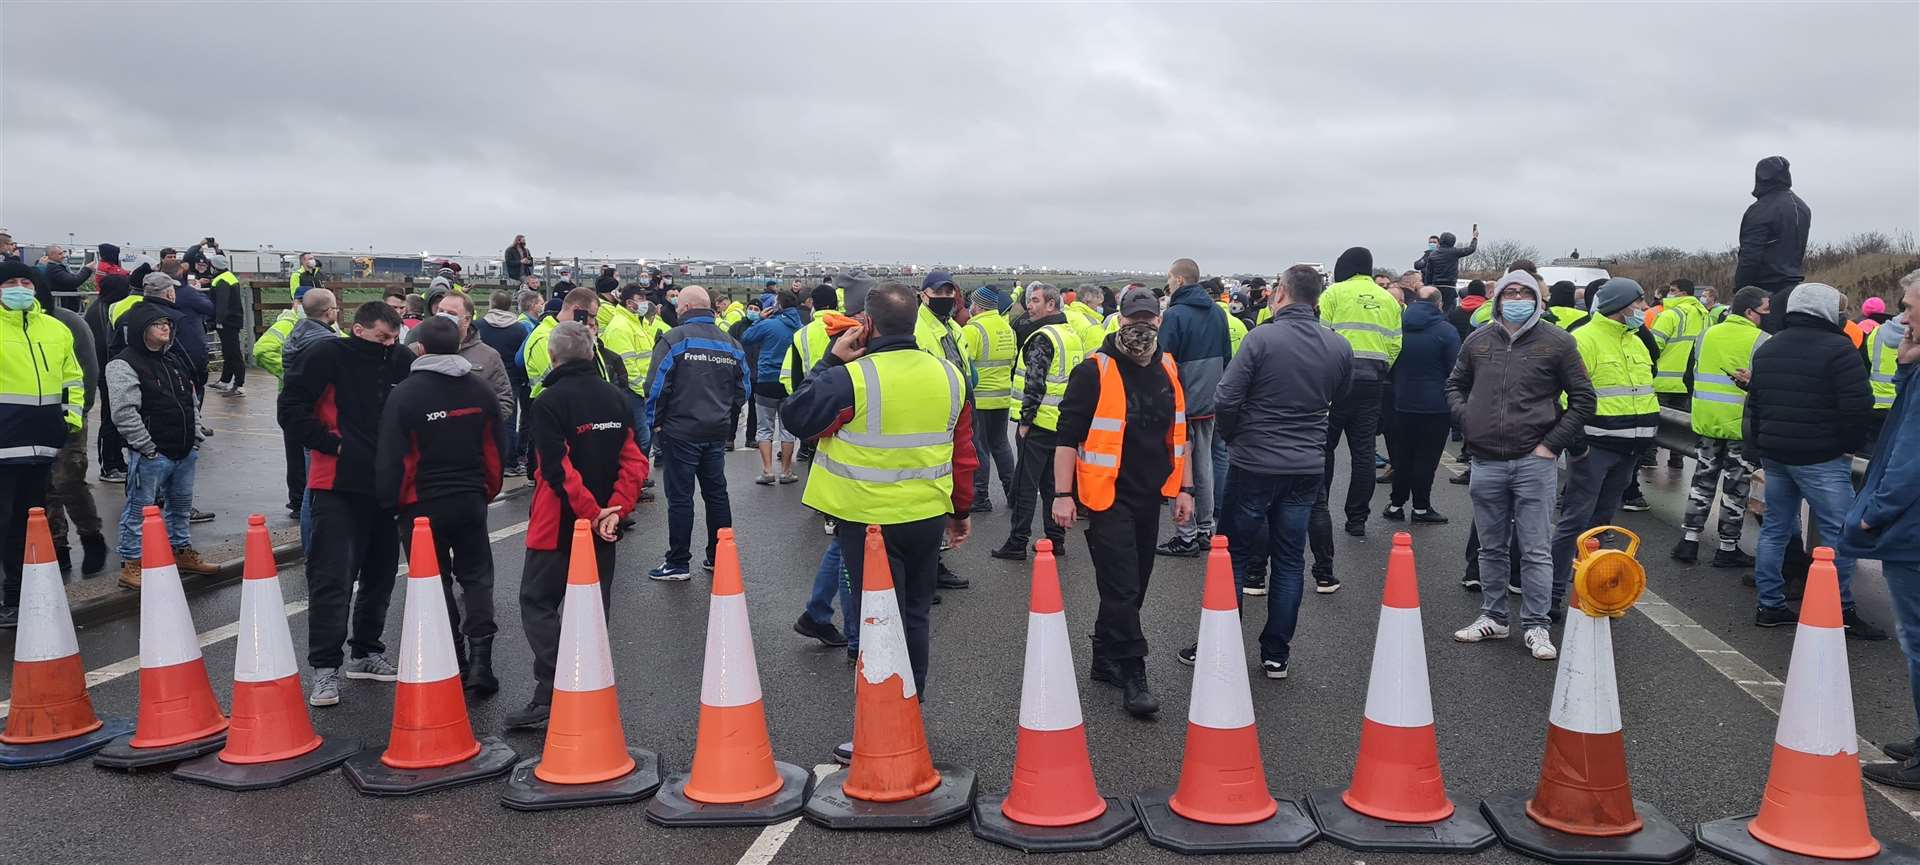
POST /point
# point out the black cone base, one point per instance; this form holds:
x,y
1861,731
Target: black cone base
x,y
242,777
64,750
1465,831
526,792
370,776
1097,834
671,807
1729,839
1658,842
831,807
120,754
1287,831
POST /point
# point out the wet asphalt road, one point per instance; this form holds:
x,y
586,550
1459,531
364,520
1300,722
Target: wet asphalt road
x,y
1698,745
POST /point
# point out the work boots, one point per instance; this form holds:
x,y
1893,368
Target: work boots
x,y
1686,552
1135,695
479,675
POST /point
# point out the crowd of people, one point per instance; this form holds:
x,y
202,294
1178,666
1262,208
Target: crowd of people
x,y
1222,402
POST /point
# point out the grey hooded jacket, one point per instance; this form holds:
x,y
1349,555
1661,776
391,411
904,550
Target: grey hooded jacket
x,y
490,368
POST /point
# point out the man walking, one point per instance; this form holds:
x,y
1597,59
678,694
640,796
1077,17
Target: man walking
x,y
1356,308
441,448
229,316
1050,352
699,384
1505,393
332,401
1194,333
42,401
990,346
587,465
1720,458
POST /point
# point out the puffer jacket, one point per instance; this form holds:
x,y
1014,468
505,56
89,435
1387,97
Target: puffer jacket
x,y
1194,332
1809,400
1506,385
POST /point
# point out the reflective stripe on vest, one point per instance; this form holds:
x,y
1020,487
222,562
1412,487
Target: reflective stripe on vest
x,y
1067,354
892,461
1883,362
1097,463
1718,402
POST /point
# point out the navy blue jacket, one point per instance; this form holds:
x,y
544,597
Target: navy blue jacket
x,y
698,382
771,337
1889,502
1193,331
1428,347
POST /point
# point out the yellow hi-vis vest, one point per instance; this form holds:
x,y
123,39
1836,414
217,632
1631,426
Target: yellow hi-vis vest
x,y
892,462
620,333
1366,316
42,387
1677,333
650,330
1097,465
1883,360
809,346
120,307
1067,354
990,345
1718,403
1236,330
1617,362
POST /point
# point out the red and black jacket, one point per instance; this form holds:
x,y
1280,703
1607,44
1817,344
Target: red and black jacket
x,y
585,456
331,403
440,435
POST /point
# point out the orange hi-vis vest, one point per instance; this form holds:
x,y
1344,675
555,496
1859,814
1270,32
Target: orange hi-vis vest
x,y
1099,458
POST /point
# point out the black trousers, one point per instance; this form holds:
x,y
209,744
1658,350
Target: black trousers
x,y
1120,541
353,541
913,554
464,555
1357,417
296,469
233,364
543,589
22,488
1034,482
1418,441
113,448
995,452
1387,428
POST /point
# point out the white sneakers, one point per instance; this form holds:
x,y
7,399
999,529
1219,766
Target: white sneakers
x,y
1483,628
1540,643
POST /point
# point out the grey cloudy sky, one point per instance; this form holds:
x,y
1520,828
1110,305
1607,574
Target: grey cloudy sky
x,y
1247,137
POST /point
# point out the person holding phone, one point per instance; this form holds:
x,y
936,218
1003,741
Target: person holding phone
x,y
1439,265
1719,399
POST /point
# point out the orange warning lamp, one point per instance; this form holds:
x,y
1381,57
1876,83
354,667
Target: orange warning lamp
x,y
1608,581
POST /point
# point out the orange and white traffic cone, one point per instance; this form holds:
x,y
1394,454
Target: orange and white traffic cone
x,y
1053,806
587,760
1223,804
892,782
179,717
1396,777
50,717
271,742
432,746
1813,806
734,780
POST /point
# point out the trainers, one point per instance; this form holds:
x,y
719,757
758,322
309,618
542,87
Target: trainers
x,y
515,471
326,687
235,393
1274,669
1540,643
130,575
830,526
531,716
1179,549
373,668
670,573
843,753
1190,655
1774,617
707,566
1859,628
113,476
825,632
1326,584
1483,628
188,559
1256,586
1430,517
220,386
1733,558
766,479
1904,774
1395,512
1636,504
1011,551
1685,551
789,478
1513,586
1470,581
1461,479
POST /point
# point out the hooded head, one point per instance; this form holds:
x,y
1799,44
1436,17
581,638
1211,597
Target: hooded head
x,y
1561,294
856,284
1521,279
1772,174
1817,299
1447,239
110,253
1357,261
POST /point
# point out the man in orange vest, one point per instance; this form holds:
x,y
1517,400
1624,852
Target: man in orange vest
x,y
1123,437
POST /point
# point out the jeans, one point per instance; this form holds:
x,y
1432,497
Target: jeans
x,y
1903,585
642,437
1595,482
1270,515
1120,540
1219,487
1827,489
1515,498
995,452
1718,464
683,463
150,479
1418,442
830,581
1200,439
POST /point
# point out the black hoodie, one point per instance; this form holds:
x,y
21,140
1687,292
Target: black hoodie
x,y
1356,260
1773,232
331,403
1440,267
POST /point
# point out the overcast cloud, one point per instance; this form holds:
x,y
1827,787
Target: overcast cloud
x,y
1247,137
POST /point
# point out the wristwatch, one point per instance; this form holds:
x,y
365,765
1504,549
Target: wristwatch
x,y
1187,490
1063,495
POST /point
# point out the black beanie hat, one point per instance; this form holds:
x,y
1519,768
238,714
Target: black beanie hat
x,y
1357,261
1561,294
824,297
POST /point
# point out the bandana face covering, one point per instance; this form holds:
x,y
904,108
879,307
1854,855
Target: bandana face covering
x,y
1137,341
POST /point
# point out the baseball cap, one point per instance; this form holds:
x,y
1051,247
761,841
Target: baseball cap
x,y
1139,302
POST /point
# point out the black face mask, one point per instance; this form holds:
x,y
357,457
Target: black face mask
x,y
941,306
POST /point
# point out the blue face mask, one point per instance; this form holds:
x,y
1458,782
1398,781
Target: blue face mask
x,y
1431,246
1636,319
1516,311
16,298
753,315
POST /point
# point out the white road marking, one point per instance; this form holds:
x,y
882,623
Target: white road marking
x,y
1753,679
774,837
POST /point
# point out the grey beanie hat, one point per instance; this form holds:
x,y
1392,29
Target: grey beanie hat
x,y
1817,299
157,283
1617,294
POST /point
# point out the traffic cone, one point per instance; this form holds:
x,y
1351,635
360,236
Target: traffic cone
x,y
1223,804
892,782
272,742
432,746
1813,805
50,718
1396,777
1053,805
587,760
179,717
734,781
